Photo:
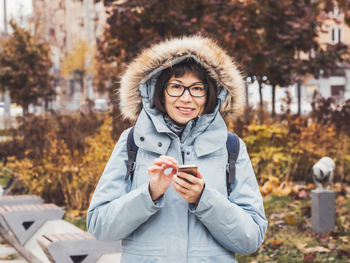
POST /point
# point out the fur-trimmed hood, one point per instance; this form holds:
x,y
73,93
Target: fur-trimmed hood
x,y
219,64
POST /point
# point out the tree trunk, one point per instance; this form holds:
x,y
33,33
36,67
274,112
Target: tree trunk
x,y
246,108
261,105
273,90
299,98
82,85
246,96
25,108
46,106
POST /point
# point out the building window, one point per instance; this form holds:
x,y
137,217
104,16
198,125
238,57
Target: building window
x,y
337,35
337,90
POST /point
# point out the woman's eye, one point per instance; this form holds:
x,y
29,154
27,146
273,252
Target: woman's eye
x,y
198,88
176,87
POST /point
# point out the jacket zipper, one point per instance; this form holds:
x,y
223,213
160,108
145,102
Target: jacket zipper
x,y
182,146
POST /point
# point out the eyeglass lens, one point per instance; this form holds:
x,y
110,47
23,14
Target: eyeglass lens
x,y
176,90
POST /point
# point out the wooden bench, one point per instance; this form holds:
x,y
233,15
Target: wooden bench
x,y
20,199
76,247
39,233
24,220
15,200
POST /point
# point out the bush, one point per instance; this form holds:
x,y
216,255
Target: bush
x,y
287,147
63,176
62,157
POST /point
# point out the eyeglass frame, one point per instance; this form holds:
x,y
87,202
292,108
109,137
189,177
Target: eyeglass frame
x,y
186,88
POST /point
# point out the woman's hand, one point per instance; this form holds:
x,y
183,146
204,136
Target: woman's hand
x,y
192,190
158,180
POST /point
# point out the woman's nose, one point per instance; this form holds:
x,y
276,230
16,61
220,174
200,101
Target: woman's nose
x,y
186,96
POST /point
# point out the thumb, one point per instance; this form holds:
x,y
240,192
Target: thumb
x,y
199,174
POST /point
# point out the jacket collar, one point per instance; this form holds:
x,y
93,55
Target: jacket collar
x,y
152,134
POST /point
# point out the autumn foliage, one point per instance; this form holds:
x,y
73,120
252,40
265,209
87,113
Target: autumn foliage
x,y
288,147
274,41
64,160
61,156
64,177
25,68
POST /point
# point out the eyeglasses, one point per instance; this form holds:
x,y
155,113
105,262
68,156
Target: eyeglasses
x,y
177,90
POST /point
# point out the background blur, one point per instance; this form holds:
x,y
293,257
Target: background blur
x,y
61,60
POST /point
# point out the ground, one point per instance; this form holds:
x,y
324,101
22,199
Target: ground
x,y
290,237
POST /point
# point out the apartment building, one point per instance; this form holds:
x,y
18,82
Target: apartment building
x,y
65,24
338,84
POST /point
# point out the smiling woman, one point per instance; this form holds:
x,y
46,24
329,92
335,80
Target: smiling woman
x,y
178,92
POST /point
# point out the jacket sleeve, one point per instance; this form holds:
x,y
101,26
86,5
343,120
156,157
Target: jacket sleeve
x,y
238,223
111,215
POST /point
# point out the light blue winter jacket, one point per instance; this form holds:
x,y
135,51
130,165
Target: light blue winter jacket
x,y
170,229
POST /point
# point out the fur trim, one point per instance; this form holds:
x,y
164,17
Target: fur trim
x,y
219,64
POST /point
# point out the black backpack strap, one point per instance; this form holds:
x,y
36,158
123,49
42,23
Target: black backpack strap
x,y
132,152
232,145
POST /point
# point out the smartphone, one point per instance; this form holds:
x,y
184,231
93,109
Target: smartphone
x,y
190,169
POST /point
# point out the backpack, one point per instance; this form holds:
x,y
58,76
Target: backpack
x,y
232,145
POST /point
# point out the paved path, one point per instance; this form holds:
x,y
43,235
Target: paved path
x,y
8,254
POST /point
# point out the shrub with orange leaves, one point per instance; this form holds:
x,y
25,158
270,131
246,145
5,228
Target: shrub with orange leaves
x,y
289,148
64,180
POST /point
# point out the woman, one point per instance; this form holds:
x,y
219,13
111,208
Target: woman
x,y
178,92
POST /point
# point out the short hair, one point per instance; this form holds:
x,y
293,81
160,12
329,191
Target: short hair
x,y
179,70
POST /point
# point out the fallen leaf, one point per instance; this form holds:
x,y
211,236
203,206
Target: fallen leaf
x,y
270,185
283,190
316,249
340,199
310,186
332,245
279,223
300,246
276,243
347,189
303,194
344,239
275,215
298,187
290,220
337,187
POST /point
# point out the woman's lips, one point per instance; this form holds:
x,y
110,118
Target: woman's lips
x,y
185,110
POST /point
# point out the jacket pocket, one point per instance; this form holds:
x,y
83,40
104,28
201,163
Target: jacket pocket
x,y
142,248
206,254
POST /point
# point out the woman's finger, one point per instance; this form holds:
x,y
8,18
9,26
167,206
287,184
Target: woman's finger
x,y
178,188
169,158
164,162
180,181
189,177
155,168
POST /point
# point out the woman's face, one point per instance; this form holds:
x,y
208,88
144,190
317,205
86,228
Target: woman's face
x,y
184,108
